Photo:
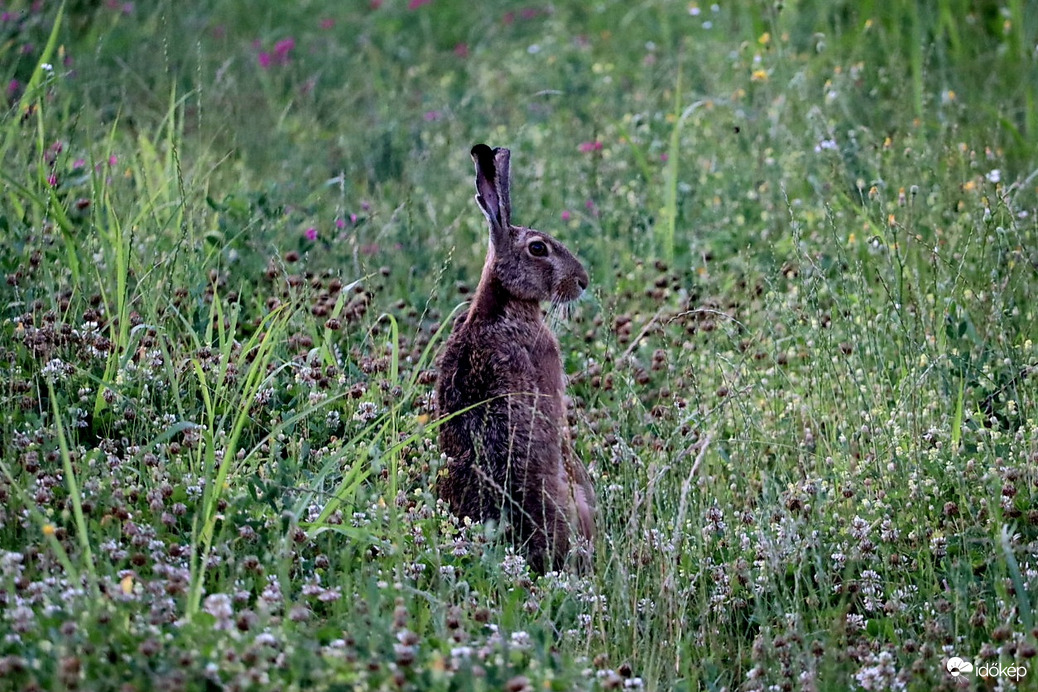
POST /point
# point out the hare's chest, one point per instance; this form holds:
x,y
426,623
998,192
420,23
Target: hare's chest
x,y
546,363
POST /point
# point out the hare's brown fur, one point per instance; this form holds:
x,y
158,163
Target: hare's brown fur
x,y
510,453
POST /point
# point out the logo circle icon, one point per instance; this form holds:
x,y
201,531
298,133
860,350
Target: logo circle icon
x,y
956,666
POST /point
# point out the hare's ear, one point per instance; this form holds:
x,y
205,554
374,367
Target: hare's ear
x,y
492,185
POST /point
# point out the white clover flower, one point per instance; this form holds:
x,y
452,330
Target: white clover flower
x,y
55,368
366,411
521,640
219,605
825,145
513,565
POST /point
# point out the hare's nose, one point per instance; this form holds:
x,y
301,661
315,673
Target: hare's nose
x,y
582,280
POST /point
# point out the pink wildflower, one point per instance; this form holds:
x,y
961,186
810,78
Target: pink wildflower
x,y
281,49
311,234
588,147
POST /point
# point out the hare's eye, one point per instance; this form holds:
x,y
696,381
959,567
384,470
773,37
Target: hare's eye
x,y
538,248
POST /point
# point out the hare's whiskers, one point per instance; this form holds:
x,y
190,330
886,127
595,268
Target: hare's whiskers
x,y
557,312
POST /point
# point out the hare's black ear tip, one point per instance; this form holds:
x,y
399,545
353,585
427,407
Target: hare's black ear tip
x,y
481,151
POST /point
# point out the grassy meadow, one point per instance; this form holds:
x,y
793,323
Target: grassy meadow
x,y
804,377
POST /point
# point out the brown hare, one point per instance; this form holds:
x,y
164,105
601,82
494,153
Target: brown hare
x,y
509,454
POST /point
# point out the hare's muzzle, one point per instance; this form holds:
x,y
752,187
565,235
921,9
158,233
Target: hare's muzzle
x,y
571,288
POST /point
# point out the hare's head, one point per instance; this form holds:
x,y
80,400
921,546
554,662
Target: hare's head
x,y
529,264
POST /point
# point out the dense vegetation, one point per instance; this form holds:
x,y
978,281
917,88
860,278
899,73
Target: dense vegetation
x,y
804,377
